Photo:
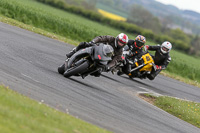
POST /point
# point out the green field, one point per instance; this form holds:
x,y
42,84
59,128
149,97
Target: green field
x,y
185,66
54,20
19,114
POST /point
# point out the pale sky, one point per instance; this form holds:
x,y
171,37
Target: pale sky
x,y
193,5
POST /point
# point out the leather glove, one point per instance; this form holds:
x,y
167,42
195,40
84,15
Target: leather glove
x,y
82,43
123,60
131,53
158,67
91,43
146,47
131,47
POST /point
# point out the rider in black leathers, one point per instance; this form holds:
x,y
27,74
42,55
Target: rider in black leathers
x,y
117,43
161,57
135,48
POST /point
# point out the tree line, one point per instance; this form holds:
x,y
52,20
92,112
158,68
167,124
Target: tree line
x,y
136,24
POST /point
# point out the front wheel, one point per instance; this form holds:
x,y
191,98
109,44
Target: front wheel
x,y
61,69
76,69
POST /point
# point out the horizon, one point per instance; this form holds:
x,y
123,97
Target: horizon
x,y
191,5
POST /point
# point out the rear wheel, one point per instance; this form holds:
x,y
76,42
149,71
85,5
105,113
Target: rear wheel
x,y
76,69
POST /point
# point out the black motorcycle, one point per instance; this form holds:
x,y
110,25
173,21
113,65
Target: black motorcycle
x,y
88,61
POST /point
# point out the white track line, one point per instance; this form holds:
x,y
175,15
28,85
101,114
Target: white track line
x,y
29,77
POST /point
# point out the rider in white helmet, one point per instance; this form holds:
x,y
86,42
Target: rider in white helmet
x,y
161,57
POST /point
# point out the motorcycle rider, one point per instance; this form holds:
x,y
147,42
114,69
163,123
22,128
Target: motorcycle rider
x,y
135,48
161,57
116,42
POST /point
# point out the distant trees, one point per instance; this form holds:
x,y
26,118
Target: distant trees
x,y
181,40
178,34
184,39
172,28
107,2
87,4
195,49
142,17
151,26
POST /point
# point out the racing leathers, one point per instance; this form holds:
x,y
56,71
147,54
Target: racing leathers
x,y
134,53
110,40
107,39
134,50
161,60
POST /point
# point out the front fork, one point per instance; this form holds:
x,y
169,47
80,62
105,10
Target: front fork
x,y
66,63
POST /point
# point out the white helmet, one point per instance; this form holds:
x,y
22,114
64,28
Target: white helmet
x,y
166,47
121,40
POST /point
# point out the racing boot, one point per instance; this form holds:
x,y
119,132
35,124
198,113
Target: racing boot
x,y
96,74
119,73
69,55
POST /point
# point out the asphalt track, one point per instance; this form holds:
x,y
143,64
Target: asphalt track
x,y
28,64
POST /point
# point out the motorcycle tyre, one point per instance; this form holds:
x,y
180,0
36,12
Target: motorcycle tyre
x,y
77,69
61,69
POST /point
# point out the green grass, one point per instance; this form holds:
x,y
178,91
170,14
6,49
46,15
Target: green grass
x,y
54,20
185,110
185,66
19,114
72,29
37,30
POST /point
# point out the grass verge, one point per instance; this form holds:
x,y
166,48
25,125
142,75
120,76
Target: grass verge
x,y
31,28
19,114
185,110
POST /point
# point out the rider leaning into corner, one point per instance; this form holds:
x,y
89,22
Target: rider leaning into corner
x,y
116,42
135,48
161,57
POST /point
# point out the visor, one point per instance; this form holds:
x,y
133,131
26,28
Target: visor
x,y
120,43
139,44
110,54
165,49
108,51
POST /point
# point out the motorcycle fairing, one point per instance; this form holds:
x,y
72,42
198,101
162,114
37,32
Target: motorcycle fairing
x,y
99,55
148,62
79,54
95,52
